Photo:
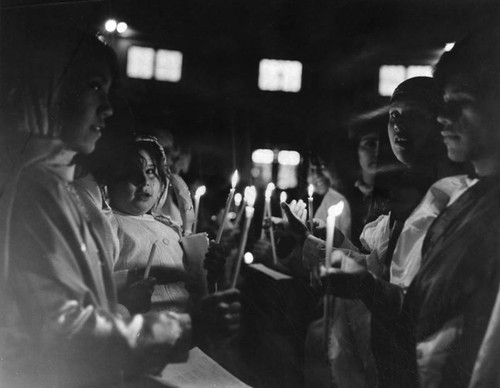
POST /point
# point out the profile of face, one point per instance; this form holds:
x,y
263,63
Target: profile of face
x,y
84,104
140,192
368,148
469,130
411,124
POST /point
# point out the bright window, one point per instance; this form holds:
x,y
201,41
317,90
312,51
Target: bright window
x,y
263,156
279,75
390,76
289,158
140,62
168,65
147,63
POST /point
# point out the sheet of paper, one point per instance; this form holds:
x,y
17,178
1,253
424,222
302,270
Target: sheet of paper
x,y
200,371
195,247
270,272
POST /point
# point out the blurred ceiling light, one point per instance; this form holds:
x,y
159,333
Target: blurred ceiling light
x,y
449,46
279,75
289,158
121,27
140,62
110,25
263,156
168,65
248,258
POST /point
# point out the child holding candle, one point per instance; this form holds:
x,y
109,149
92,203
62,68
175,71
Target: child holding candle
x,y
137,179
58,296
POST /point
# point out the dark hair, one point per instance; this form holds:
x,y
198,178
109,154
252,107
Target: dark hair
x,y
476,58
32,77
421,89
118,160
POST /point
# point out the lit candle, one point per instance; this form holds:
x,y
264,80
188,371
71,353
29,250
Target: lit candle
x,y
200,191
237,200
333,212
268,194
242,209
283,198
310,192
250,195
234,182
267,206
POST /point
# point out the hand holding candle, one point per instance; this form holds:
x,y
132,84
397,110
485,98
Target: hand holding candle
x,y
333,212
250,195
234,182
310,192
200,191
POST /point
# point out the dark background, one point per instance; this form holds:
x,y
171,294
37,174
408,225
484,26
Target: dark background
x,y
217,108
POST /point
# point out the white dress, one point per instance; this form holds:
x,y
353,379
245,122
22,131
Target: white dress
x,y
136,236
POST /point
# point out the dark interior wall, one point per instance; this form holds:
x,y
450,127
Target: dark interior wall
x,y
217,105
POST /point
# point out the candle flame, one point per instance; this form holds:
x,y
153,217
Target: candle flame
x,y
250,195
336,210
200,191
310,190
269,190
237,199
234,179
283,196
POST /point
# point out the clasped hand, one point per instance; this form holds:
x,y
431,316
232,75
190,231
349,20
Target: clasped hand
x,y
215,261
218,315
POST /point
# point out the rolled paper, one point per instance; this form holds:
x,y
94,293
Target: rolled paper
x,y
250,195
234,182
150,260
200,191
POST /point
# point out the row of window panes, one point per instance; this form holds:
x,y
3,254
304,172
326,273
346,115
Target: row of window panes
x,y
284,157
274,75
166,65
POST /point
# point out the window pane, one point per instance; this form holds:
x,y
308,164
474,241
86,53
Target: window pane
x,y
280,75
168,65
140,62
390,77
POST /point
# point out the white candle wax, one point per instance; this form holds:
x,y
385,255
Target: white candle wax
x,y
197,197
310,192
234,182
249,212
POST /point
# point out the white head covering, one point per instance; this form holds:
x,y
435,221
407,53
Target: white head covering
x,y
33,79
